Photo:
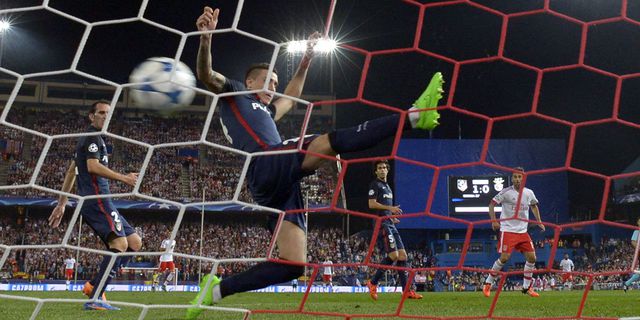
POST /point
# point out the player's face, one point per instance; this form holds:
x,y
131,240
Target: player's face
x,y
258,83
516,179
98,117
381,171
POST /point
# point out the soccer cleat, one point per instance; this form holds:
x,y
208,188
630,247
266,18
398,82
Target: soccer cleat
x,y
373,290
625,288
99,305
486,290
413,295
207,300
530,292
428,119
88,288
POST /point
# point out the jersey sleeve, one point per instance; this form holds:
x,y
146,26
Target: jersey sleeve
x,y
499,197
373,191
532,198
231,85
91,147
634,236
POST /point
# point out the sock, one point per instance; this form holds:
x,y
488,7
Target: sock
x,y
169,277
497,266
631,280
365,135
387,262
103,269
402,274
526,283
103,266
259,276
124,261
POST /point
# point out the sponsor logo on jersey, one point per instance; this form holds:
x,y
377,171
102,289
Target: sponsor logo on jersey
x,y
387,196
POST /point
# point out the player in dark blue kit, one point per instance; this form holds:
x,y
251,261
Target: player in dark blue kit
x,y
381,203
91,171
274,181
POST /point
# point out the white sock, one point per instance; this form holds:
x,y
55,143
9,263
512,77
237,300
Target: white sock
x,y
497,266
413,117
527,275
216,293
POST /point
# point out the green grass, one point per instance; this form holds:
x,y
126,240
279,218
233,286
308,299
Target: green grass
x,y
514,304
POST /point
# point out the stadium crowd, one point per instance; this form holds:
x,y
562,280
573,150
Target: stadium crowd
x,y
174,173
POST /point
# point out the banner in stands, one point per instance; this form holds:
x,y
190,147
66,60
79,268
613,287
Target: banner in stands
x,y
187,288
127,204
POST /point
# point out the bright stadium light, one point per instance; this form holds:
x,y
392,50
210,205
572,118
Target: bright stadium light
x,y
323,46
4,26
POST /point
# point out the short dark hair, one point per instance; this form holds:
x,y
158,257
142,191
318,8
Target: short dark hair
x,y
94,105
257,66
377,162
518,170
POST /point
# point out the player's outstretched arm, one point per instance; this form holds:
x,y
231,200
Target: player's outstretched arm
x,y
208,21
94,167
295,86
58,211
536,213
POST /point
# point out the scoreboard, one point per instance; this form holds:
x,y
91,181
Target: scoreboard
x,y
472,194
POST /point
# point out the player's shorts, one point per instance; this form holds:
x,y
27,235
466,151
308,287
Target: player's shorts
x,y
166,265
326,278
567,277
389,238
518,241
274,181
68,273
102,216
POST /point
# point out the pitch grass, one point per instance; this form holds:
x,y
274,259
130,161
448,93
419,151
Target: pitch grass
x,y
514,304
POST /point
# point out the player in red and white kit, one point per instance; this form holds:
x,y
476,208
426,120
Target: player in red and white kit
x,y
167,266
567,266
327,273
513,233
69,264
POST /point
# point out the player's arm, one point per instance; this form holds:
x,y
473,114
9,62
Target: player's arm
x,y
375,205
492,214
214,81
95,167
295,86
536,213
58,211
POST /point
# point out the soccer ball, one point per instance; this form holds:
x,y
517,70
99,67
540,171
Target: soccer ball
x,y
165,95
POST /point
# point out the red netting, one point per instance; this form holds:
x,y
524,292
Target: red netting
x,y
506,19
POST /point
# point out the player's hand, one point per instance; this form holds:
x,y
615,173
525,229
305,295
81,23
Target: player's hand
x,y
311,44
395,220
56,216
541,226
130,179
208,20
495,225
395,209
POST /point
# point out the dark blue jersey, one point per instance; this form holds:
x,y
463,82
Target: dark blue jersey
x,y
91,147
382,193
246,122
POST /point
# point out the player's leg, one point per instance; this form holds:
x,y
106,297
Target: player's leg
x,y
291,242
630,281
529,266
505,247
370,133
